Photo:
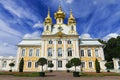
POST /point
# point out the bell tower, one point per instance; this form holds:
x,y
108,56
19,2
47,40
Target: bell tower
x,y
48,23
72,22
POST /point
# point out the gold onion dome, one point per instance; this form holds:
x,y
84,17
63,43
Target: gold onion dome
x,y
71,19
48,19
59,13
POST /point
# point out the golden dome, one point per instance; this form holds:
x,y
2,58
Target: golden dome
x,y
71,19
59,13
48,19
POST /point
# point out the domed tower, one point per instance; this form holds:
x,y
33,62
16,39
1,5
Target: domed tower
x,y
59,16
48,23
72,22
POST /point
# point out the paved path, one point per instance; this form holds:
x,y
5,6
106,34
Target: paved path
x,y
58,76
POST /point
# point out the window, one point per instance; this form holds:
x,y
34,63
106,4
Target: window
x,y
23,53
50,42
59,20
29,64
30,52
36,64
83,64
82,52
59,42
89,52
90,64
69,52
96,53
49,51
72,27
49,62
4,64
59,51
59,64
69,42
47,28
37,52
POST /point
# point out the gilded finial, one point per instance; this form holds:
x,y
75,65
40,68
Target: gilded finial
x,y
48,13
71,15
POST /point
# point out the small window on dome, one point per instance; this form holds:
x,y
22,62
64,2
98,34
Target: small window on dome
x,y
47,28
72,27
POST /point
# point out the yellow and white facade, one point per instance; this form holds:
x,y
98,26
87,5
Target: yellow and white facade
x,y
59,43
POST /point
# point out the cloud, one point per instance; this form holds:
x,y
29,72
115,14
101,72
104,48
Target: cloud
x,y
69,1
111,35
35,34
38,25
86,36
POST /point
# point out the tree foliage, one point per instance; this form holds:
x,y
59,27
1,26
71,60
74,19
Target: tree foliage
x,y
109,65
68,65
21,65
112,48
42,62
75,62
50,65
11,64
97,66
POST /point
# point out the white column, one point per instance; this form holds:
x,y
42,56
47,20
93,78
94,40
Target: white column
x,y
55,56
101,53
43,52
17,59
77,49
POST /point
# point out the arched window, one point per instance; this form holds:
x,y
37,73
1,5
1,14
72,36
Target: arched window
x,y
69,52
49,51
59,42
4,64
72,27
69,41
59,51
50,42
47,28
30,52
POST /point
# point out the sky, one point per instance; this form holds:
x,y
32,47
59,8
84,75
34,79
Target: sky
x,y
24,19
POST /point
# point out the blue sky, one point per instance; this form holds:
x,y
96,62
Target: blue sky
x,y
24,19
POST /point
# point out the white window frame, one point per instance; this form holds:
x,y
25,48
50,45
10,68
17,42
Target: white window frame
x,y
22,51
90,51
89,65
97,53
32,52
84,65
48,52
4,65
83,52
36,52
71,52
35,64
31,64
61,64
58,52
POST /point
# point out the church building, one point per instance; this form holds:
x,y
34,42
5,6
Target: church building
x,y
59,43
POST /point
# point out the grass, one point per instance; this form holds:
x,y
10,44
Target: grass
x,y
36,74
93,74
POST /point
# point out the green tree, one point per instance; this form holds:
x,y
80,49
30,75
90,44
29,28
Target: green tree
x,y
109,65
11,65
21,65
97,66
68,65
42,62
75,62
51,65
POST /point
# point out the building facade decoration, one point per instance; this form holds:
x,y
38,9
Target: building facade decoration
x,y
58,44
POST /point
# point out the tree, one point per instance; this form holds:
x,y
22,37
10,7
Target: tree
x,y
21,65
42,62
75,62
50,65
68,65
11,65
109,65
97,66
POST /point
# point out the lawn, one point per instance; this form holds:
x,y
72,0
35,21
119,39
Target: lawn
x,y
36,74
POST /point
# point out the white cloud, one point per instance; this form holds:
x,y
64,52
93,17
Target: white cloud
x,y
86,36
35,34
69,1
111,35
38,25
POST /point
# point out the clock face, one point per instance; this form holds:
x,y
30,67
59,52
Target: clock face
x,y
60,28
